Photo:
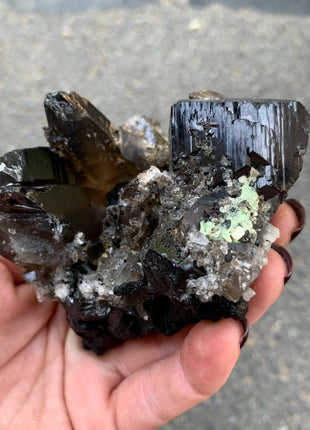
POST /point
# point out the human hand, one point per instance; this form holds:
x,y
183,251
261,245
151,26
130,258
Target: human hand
x,y
48,381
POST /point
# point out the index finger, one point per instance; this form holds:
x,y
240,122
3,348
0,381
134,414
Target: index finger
x,y
287,222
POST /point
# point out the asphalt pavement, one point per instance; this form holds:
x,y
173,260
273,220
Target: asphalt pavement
x,y
134,56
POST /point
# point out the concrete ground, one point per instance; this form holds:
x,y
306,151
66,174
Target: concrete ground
x,y
139,56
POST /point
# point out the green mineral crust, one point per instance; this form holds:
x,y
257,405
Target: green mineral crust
x,y
237,215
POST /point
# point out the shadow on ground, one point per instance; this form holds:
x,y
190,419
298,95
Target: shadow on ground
x,y
59,7
297,7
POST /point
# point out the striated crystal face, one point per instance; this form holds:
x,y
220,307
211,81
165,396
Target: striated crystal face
x,y
135,235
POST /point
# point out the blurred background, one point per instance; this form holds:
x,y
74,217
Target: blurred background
x,y
138,56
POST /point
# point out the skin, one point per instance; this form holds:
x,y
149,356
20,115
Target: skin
x,y
49,382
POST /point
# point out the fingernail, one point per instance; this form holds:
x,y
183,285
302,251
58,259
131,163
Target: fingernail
x,y
300,213
286,258
246,329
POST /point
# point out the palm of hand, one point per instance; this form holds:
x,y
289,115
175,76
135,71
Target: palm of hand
x,y
49,381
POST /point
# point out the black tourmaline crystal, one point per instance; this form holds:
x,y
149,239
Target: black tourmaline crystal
x,y
136,236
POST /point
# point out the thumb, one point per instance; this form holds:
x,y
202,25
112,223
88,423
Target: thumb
x,y
209,354
170,386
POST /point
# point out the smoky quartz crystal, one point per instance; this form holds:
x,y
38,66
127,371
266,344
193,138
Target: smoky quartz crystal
x,y
135,234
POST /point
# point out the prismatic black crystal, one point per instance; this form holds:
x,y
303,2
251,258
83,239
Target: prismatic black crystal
x,y
136,236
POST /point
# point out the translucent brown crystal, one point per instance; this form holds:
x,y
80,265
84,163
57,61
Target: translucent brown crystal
x,y
135,235
78,132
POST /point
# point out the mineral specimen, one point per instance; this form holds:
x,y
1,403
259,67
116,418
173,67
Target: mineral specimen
x,y
136,236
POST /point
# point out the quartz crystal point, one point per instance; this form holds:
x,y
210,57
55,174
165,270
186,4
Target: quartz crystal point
x,y
80,133
134,236
43,207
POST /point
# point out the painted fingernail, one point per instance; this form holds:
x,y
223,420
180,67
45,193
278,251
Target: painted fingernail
x,y
300,213
286,258
246,329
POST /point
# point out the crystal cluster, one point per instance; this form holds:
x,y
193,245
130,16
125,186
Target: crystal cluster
x,y
135,235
